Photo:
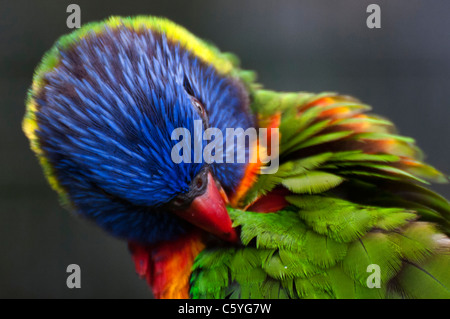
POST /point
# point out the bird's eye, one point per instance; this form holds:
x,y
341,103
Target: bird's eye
x,y
199,107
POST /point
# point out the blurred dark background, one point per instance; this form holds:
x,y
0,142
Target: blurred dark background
x,y
402,70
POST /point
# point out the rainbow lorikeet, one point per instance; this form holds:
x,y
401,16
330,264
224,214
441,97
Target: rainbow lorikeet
x,y
347,198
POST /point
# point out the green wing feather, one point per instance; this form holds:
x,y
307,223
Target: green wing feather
x,y
356,199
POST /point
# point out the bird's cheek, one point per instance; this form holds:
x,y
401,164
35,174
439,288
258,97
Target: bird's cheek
x,y
208,211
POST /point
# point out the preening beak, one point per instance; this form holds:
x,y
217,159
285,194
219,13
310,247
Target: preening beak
x,y
208,211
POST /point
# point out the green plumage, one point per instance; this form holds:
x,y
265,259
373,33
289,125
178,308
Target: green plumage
x,y
356,201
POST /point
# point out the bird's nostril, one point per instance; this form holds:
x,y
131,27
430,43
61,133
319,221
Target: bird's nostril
x,y
199,183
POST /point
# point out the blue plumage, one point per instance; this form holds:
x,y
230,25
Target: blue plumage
x,y
105,119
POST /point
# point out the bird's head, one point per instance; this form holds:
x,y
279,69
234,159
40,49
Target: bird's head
x,y
101,113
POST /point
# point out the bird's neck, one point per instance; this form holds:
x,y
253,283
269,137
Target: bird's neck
x,y
167,265
254,167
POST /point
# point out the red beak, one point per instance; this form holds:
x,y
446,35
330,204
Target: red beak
x,y
208,211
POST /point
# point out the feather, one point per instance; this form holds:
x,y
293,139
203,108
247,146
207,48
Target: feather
x,y
312,182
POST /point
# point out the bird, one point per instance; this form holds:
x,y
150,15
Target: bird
x,y
348,212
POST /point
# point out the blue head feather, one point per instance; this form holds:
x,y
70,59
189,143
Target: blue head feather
x,y
106,115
